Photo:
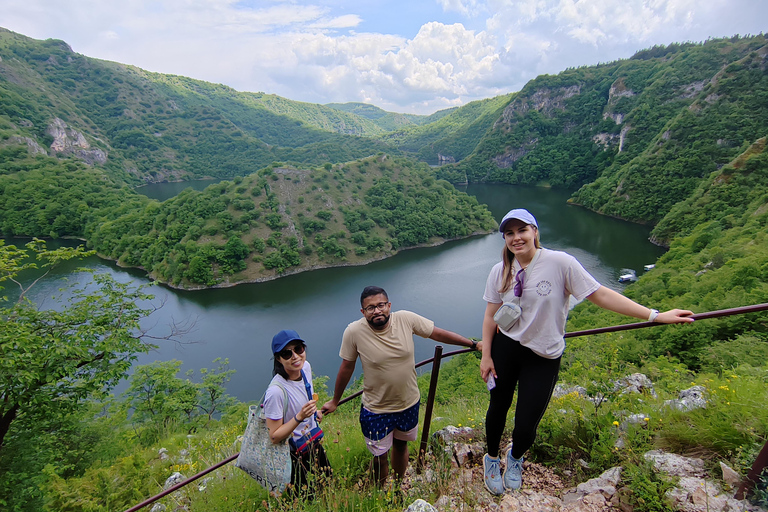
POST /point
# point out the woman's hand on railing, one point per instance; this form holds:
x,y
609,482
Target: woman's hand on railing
x,y
674,316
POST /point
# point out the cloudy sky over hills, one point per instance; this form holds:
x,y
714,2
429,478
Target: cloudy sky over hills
x,y
415,56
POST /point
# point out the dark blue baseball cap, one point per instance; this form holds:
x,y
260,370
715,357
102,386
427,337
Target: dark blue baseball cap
x,y
284,337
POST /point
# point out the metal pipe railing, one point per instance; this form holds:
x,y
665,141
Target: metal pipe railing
x,y
433,389
182,484
430,404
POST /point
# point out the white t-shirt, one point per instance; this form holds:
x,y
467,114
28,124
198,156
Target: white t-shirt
x,y
547,288
297,397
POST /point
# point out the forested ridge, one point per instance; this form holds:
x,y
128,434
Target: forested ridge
x,y
634,136
631,137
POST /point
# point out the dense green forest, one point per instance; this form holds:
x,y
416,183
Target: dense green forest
x,y
634,136
143,126
280,219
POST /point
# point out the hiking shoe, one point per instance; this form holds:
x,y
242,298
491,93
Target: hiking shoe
x,y
513,474
492,475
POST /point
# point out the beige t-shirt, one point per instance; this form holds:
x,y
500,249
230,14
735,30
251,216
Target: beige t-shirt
x,y
389,368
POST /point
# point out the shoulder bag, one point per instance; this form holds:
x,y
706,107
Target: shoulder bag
x,y
268,463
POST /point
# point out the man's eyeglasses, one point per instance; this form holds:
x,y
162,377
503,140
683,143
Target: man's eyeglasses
x,y
287,353
520,282
373,307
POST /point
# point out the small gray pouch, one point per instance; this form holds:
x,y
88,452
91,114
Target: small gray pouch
x,y
507,315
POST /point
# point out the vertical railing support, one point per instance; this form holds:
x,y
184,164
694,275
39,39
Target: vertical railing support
x,y
430,404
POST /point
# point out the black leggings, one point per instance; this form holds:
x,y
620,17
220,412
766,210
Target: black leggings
x,y
535,378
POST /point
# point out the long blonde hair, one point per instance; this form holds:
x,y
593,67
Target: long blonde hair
x,y
508,258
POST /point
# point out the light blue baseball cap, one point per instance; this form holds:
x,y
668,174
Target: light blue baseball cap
x,y
520,214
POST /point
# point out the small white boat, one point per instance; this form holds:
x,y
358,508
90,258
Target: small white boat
x,y
627,275
648,267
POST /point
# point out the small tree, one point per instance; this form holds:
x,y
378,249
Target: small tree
x,y
158,396
212,391
51,361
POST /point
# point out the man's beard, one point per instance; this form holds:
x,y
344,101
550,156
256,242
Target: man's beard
x,y
378,322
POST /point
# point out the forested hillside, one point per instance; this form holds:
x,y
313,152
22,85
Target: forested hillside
x,y
388,121
719,260
143,126
278,220
637,135
634,138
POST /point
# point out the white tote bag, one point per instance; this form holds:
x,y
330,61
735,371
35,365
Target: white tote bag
x,y
268,463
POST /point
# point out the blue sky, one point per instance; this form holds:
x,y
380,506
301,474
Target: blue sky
x,y
414,56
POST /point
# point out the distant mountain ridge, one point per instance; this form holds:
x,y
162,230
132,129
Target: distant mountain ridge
x,y
632,137
155,127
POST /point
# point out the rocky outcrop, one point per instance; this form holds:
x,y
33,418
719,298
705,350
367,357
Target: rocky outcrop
x,y
32,146
695,489
617,91
543,100
68,141
512,155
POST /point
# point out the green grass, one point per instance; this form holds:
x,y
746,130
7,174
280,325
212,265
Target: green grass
x,y
574,430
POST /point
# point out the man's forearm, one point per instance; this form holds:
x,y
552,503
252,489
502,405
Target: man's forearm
x,y
342,379
450,337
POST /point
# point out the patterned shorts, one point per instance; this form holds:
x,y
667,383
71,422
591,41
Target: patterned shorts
x,y
380,429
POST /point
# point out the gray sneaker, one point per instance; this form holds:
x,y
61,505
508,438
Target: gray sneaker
x,y
513,474
492,475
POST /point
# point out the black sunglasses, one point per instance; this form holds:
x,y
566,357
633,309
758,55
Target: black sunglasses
x,y
287,353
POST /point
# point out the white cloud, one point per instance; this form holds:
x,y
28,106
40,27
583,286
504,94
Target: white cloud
x,y
465,7
324,51
440,65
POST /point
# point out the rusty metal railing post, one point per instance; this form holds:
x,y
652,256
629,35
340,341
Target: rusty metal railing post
x,y
430,404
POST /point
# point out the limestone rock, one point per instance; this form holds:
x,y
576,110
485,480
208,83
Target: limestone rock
x,y
420,506
174,479
635,383
731,478
675,465
68,141
526,500
689,399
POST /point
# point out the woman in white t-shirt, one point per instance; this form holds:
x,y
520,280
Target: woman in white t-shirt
x,y
522,347
290,407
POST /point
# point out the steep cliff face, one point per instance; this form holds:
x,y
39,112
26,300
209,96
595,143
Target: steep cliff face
x,y
634,136
543,100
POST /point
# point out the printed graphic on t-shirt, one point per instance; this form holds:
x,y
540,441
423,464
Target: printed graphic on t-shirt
x,y
544,288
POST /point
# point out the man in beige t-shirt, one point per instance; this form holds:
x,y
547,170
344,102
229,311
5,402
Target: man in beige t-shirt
x,y
383,340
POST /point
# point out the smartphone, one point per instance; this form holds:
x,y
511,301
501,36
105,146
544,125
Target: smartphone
x,y
491,382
